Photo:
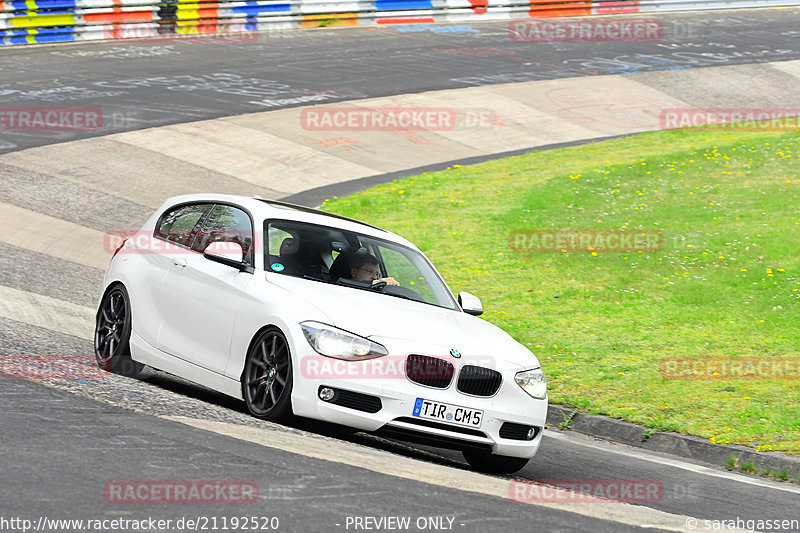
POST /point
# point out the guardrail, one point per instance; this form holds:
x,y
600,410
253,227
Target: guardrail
x,y
53,21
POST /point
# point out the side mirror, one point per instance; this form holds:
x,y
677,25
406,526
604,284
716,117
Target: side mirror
x,y
470,303
228,254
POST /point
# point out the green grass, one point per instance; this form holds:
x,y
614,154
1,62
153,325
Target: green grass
x,y
732,462
780,475
567,423
748,468
726,284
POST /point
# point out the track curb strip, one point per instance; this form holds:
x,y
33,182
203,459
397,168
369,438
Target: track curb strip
x,y
686,446
48,22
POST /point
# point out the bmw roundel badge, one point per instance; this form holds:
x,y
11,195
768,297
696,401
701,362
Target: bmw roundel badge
x,y
455,353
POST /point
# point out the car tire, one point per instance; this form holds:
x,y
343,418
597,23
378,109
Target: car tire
x,y
493,464
267,377
112,334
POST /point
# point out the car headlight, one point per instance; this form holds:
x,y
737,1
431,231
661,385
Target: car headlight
x,y
533,382
334,342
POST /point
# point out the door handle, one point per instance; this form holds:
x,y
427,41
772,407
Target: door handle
x,y
179,261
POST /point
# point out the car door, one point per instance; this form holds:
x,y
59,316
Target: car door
x,y
171,238
200,297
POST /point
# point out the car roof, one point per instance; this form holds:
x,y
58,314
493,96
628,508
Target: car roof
x,y
262,208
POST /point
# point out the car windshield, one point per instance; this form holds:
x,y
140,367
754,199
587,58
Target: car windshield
x,y
333,255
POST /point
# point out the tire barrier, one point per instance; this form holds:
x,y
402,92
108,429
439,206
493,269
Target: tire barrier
x,y
54,21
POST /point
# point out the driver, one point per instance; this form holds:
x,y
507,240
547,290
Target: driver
x,y
366,267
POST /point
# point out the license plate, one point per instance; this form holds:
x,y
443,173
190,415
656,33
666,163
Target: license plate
x,y
445,412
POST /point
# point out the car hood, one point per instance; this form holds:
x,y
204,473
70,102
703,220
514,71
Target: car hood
x,y
405,326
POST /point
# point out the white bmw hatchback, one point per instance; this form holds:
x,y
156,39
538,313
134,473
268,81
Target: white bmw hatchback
x,y
301,312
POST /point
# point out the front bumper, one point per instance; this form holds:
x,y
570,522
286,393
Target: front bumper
x,y
394,397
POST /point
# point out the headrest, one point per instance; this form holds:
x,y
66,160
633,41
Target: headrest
x,y
340,268
289,246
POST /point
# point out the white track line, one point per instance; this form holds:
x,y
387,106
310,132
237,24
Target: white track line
x,y
52,236
407,468
697,469
46,312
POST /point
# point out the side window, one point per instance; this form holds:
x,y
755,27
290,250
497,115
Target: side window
x,y
400,268
299,249
226,223
178,224
276,237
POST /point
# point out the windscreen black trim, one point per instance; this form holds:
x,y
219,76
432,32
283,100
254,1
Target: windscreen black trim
x,y
311,210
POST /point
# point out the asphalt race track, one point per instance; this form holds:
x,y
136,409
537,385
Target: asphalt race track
x,y
63,441
150,83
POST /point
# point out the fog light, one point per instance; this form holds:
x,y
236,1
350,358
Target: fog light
x,y
531,433
326,394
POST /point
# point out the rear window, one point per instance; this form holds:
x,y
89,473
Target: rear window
x,y
177,225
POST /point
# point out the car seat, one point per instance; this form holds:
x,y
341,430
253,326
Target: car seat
x,y
298,261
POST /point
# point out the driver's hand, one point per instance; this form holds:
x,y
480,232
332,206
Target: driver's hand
x,y
387,280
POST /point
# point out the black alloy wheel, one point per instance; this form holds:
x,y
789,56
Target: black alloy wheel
x,y
112,334
267,378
